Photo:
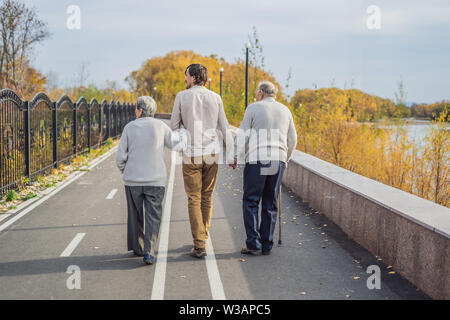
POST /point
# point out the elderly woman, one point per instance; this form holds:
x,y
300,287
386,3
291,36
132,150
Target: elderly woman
x,y
140,157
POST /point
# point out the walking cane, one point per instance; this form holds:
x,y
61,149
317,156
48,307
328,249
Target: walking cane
x,y
279,216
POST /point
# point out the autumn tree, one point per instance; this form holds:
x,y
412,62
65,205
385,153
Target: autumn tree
x,y
20,30
163,78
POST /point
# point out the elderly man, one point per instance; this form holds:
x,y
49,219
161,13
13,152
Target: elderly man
x,y
140,157
201,111
267,135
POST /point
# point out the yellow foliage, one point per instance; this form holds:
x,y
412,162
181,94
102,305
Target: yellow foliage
x,y
166,74
330,131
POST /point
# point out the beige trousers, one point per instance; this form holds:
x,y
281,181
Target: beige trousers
x,y
200,176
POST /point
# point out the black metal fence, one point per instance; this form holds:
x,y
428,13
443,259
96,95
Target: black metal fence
x,y
28,129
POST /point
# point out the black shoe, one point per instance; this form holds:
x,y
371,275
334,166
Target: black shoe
x,y
266,253
198,252
138,254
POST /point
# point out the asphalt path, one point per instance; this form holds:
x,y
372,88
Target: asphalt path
x,y
83,227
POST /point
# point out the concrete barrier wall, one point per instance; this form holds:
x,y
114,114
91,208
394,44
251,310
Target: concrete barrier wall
x,y
407,232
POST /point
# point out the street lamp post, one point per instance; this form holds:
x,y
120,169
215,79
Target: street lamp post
x,y
247,46
209,83
221,71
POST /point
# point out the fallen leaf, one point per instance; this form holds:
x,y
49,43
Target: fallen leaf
x,y
391,272
302,293
326,240
184,277
388,267
242,259
96,247
347,296
356,278
322,233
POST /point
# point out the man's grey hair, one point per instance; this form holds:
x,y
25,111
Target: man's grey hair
x,y
268,89
148,106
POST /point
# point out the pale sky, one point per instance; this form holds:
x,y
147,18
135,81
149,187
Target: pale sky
x,y
323,41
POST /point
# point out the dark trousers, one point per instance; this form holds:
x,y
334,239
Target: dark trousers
x,y
261,184
138,198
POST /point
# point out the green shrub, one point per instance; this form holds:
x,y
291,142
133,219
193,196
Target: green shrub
x,y
29,196
108,142
11,195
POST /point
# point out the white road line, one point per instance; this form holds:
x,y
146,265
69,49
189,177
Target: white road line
x,y
161,260
4,216
215,282
58,189
72,245
111,194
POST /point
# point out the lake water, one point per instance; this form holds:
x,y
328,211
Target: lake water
x,y
417,129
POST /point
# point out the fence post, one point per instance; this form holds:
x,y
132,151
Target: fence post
x,y
115,120
74,128
108,121
89,126
100,125
55,136
27,141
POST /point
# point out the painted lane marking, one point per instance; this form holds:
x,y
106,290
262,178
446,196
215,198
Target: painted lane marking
x,y
161,260
111,194
215,282
72,245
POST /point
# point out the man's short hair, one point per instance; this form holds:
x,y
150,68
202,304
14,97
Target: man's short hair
x,y
148,106
268,89
199,72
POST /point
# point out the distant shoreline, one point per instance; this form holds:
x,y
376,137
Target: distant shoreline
x,y
415,121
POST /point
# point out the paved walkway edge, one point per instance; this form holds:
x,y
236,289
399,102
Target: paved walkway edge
x,y
26,207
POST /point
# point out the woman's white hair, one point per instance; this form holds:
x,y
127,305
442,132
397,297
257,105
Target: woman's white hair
x,y
148,106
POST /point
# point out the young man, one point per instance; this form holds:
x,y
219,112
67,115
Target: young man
x,y
201,112
140,157
269,138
